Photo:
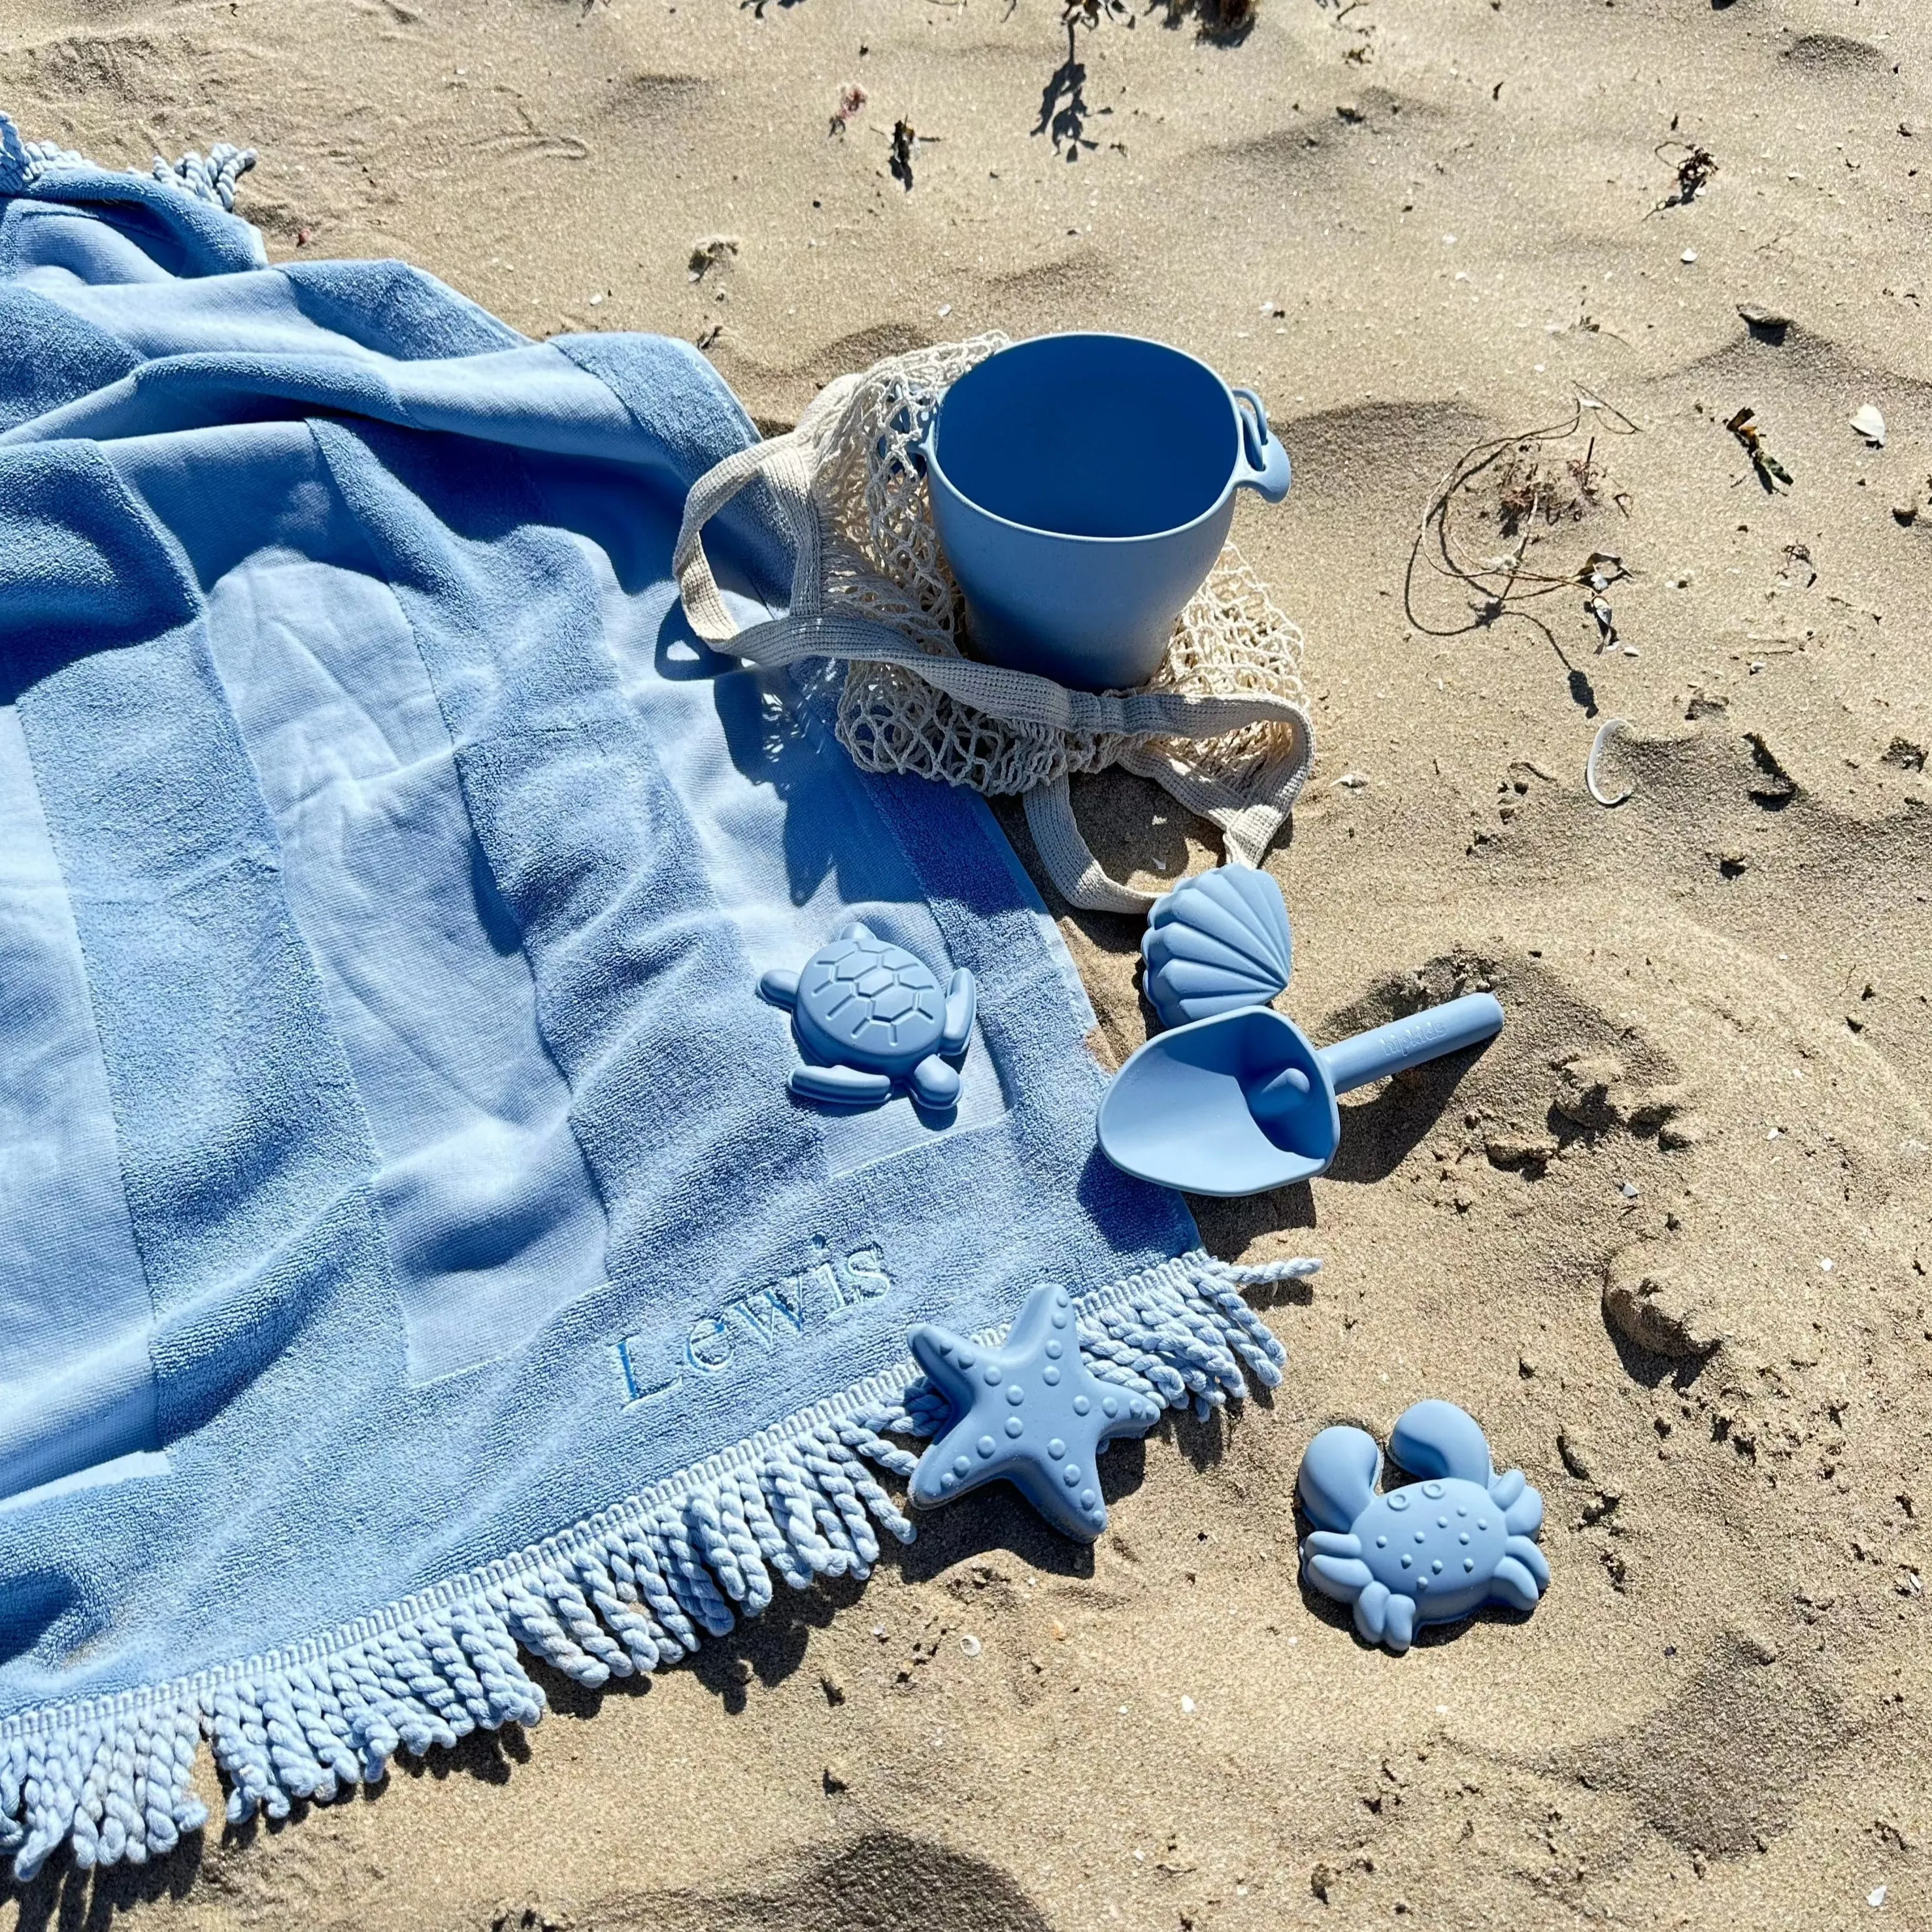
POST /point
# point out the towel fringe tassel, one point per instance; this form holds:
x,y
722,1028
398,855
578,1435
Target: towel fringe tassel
x,y
631,1592
210,177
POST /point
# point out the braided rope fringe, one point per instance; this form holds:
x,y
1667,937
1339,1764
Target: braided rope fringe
x,y
210,177
632,1590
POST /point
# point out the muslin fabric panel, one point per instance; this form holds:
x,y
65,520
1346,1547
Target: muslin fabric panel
x,y
410,1257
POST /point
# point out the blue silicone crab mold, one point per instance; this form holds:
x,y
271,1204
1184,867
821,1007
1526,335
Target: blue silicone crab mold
x,y
1431,1551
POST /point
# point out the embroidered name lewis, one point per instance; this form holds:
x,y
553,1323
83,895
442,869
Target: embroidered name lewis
x,y
759,1323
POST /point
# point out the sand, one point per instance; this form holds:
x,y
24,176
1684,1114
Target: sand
x,y
1668,1237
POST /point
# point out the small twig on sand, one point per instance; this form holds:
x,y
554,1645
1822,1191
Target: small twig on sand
x,y
1771,473
905,139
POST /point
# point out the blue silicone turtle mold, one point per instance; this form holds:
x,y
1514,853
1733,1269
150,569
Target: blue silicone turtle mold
x,y
870,1015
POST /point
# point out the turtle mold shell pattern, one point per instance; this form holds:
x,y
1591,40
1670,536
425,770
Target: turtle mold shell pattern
x,y
863,999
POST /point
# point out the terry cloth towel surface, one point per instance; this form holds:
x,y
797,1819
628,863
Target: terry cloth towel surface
x,y
410,1256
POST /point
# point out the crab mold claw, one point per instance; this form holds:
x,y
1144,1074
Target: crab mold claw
x,y
1522,1506
1338,1476
1436,1439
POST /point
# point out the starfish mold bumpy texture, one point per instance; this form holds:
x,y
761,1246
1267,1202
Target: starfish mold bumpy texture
x,y
1030,1412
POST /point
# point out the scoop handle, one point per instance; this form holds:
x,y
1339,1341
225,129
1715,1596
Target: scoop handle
x,y
1402,1044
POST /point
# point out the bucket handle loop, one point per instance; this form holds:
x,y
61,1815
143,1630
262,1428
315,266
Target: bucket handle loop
x,y
1263,464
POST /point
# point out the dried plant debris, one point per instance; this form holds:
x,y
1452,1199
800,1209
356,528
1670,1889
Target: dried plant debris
x,y
852,98
1771,473
1532,488
1227,22
1695,165
1600,570
1063,101
905,139
712,251
1524,493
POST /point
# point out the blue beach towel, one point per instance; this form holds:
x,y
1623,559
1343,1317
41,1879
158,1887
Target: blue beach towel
x,y
410,1257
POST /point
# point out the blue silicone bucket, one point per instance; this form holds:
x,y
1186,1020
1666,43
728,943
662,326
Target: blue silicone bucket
x,y
1082,487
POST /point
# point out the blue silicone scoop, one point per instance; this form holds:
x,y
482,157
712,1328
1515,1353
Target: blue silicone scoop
x,y
1241,1103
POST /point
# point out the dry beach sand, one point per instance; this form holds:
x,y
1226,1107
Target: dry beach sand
x,y
1668,1238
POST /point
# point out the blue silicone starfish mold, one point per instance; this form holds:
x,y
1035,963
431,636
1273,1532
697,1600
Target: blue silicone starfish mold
x,y
1030,1412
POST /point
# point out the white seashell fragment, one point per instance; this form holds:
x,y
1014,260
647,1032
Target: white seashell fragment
x,y
1870,423
1596,744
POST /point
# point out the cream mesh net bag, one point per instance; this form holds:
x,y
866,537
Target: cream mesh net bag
x,y
1223,725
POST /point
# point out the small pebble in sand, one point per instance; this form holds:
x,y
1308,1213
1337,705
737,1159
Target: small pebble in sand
x,y
1628,1190
970,1644
1825,1265
1352,781
1689,255
1875,1896
1187,1706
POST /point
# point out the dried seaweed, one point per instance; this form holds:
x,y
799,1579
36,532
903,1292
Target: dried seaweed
x,y
905,140
1695,165
1528,489
1771,473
